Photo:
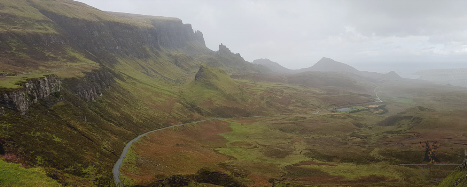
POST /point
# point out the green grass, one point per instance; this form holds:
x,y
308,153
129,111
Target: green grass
x,y
353,171
263,135
402,100
456,177
21,8
23,18
129,163
16,175
62,67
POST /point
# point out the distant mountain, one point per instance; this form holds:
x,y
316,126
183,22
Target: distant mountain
x,y
232,63
392,75
273,66
330,65
327,65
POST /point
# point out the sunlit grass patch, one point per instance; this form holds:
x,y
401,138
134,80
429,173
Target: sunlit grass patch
x,y
63,67
353,171
402,100
266,144
16,175
456,177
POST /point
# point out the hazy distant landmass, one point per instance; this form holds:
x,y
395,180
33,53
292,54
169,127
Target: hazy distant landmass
x,y
330,65
273,66
455,77
327,65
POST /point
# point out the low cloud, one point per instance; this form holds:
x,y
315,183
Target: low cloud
x,y
298,33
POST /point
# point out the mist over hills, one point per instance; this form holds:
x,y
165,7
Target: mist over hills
x,y
327,65
77,84
273,66
330,65
455,77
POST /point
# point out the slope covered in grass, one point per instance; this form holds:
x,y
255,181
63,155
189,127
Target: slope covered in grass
x,y
122,75
16,175
456,178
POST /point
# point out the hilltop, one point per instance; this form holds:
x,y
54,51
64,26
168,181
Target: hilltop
x,y
273,66
330,65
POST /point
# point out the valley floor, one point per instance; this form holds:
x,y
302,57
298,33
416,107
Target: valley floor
x,y
325,149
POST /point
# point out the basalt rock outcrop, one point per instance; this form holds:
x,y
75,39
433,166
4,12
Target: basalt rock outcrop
x,y
92,85
89,88
51,34
32,91
124,39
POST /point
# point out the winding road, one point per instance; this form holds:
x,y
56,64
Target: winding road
x,y
118,164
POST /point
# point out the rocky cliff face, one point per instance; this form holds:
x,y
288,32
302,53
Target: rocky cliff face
x,y
124,39
91,86
50,34
31,92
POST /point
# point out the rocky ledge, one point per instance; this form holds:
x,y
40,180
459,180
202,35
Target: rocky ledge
x,y
31,91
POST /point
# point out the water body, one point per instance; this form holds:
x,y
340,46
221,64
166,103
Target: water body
x,y
344,109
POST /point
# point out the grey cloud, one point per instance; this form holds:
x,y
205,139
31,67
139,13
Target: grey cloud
x,y
298,33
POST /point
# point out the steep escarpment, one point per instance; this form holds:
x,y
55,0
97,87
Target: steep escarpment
x,y
59,35
90,81
32,91
233,63
92,85
124,39
106,88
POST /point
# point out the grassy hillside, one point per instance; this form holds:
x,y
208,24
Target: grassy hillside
x,y
456,178
114,85
123,75
16,175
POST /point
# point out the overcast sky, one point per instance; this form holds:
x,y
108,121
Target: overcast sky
x,y
368,34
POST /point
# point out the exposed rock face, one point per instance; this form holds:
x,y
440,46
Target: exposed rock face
x,y
91,86
124,39
31,92
224,49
